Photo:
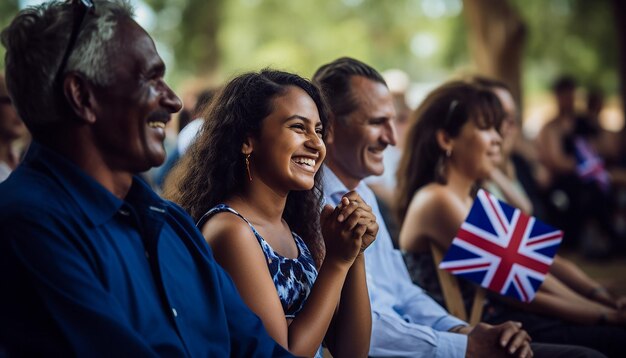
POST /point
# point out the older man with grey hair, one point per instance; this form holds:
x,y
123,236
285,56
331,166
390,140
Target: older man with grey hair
x,y
92,261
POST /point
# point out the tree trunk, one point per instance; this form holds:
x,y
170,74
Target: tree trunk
x,y
496,37
619,7
199,30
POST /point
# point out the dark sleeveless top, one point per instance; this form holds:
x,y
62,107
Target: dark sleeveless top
x,y
423,272
293,278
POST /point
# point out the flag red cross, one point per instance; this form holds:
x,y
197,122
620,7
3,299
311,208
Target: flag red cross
x,y
502,248
509,255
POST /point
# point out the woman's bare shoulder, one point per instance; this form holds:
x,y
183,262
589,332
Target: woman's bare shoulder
x,y
417,229
434,215
226,228
432,197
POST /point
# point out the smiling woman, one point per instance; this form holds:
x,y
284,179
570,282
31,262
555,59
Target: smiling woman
x,y
455,144
252,180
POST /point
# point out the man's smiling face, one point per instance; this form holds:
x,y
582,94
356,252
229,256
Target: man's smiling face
x,y
359,139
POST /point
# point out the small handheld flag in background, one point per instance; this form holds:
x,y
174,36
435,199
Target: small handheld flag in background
x,y
502,249
589,165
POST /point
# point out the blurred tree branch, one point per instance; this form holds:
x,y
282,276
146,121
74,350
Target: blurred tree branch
x,y
496,39
619,7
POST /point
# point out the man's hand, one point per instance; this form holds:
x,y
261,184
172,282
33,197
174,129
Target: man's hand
x,y
613,317
504,340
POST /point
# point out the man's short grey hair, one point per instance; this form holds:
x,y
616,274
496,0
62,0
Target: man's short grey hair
x,y
36,41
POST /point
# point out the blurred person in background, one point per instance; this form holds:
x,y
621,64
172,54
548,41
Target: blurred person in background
x,y
503,181
588,125
607,145
12,130
577,202
189,131
189,125
456,144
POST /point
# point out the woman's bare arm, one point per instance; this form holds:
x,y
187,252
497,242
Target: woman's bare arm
x,y
236,249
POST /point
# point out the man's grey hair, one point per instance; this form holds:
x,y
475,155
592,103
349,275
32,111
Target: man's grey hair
x,y
36,41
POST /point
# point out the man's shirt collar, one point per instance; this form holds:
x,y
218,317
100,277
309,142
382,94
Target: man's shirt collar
x,y
95,201
334,187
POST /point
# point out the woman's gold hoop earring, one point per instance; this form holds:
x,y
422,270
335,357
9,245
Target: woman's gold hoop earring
x,y
248,166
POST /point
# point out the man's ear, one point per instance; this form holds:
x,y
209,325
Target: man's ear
x,y
330,129
444,140
79,95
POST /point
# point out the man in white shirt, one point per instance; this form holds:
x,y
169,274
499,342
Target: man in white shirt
x,y
405,320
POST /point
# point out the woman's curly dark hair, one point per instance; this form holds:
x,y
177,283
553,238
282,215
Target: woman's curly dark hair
x,y
213,169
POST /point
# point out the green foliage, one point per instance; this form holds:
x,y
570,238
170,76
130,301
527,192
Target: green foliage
x,y
426,38
575,37
301,35
8,8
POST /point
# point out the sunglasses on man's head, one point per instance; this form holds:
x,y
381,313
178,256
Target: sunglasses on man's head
x,y
81,7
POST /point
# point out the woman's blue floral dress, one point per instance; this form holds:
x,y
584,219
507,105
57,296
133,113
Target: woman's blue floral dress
x,y
293,278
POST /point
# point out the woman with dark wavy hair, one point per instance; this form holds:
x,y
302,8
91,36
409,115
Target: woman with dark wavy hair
x,y
455,145
252,180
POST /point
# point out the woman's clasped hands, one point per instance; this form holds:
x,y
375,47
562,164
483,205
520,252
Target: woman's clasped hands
x,y
348,229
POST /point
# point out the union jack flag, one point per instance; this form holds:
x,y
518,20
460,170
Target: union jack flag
x,y
589,165
502,249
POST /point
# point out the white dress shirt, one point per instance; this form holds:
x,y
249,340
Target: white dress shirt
x,y
406,322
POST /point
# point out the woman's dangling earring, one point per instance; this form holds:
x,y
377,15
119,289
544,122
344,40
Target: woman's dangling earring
x,y
440,170
248,166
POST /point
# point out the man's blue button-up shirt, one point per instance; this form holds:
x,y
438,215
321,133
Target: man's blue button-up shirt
x,y
85,273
